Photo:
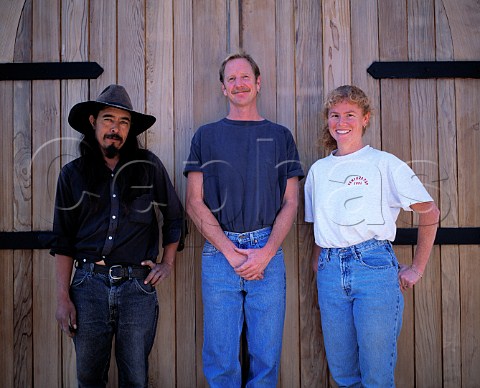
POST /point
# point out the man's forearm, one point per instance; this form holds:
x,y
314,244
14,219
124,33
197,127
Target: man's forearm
x,y
169,253
64,267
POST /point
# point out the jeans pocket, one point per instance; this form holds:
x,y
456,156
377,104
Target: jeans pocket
x,y
144,288
380,257
79,277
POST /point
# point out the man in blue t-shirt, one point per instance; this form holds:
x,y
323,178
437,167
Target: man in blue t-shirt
x,y
242,194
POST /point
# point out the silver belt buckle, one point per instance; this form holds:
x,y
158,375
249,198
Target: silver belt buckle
x,y
114,278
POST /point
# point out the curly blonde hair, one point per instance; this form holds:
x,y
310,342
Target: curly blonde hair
x,y
349,93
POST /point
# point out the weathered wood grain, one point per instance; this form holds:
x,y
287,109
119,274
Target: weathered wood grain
x,y
159,94
309,100
46,108
22,191
6,223
11,14
364,42
337,48
395,129
423,126
449,206
187,356
285,102
257,19
103,43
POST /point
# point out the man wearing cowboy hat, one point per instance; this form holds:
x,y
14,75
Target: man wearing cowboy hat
x,y
105,222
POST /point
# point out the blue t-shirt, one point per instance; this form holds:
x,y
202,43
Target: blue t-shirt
x,y
245,166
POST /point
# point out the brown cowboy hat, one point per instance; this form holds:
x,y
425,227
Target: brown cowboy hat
x,y
115,96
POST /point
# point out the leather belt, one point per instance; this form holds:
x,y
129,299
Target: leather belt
x,y
116,272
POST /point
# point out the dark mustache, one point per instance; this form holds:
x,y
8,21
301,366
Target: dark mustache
x,y
113,136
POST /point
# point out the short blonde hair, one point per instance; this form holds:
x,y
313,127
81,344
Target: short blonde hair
x,y
241,55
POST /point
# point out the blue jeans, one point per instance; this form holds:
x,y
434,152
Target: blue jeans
x,y
228,302
361,307
126,310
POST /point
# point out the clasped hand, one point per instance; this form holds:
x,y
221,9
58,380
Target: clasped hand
x,y
256,260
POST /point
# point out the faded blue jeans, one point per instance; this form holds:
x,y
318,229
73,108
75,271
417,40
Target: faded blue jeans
x,y
361,307
228,302
126,310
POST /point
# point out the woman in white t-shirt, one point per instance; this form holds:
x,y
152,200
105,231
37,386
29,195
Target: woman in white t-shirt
x,y
353,196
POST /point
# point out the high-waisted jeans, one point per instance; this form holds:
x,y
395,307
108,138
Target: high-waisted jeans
x,y
228,302
361,307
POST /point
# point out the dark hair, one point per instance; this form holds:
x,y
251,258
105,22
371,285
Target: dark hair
x,y
133,174
348,93
231,57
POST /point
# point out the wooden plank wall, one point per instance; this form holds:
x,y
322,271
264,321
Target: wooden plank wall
x,y
167,54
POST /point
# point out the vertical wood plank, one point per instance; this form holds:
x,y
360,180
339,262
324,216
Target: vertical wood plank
x,y
337,55
209,25
450,255
188,343
22,310
11,14
364,32
103,43
160,140
395,134
233,27
258,21
131,52
74,49
470,314
285,59
7,331
428,334
309,100
22,260
74,37
468,137
45,166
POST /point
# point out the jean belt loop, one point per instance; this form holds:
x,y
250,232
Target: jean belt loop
x,y
356,252
91,267
327,254
129,272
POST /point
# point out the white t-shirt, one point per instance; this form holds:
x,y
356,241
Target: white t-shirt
x,y
357,197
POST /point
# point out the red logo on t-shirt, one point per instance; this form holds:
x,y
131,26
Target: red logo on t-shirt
x,y
357,181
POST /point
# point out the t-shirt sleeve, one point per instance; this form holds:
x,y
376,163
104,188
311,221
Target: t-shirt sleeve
x,y
294,165
194,161
308,189
407,189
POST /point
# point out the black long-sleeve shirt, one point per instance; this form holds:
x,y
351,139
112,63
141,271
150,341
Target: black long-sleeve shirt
x,y
93,226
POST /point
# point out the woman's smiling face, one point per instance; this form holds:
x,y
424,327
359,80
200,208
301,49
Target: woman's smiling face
x,y
346,123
